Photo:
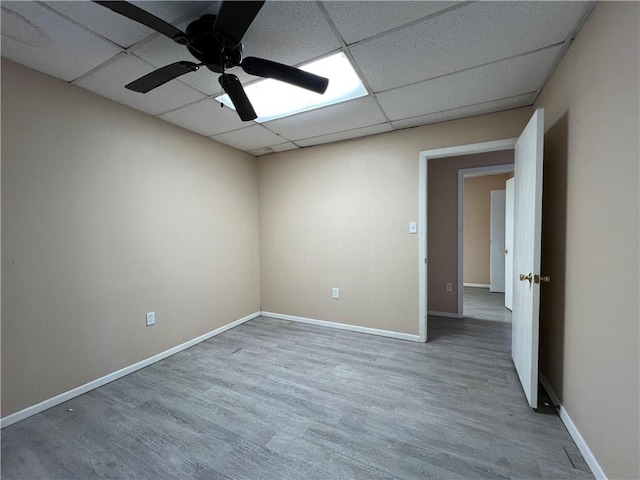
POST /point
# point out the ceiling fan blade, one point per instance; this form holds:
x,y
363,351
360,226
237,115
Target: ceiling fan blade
x,y
161,76
145,18
232,87
285,73
233,20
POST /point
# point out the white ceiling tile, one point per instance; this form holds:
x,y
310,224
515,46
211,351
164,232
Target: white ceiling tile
x,y
362,112
290,33
259,152
471,35
206,118
109,81
481,109
176,12
250,138
503,79
41,39
284,147
336,137
118,28
359,20
204,79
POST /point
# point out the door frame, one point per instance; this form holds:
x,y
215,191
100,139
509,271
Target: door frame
x,y
497,219
423,266
462,174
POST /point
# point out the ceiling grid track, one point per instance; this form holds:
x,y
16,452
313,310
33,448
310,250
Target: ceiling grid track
x,y
354,64
419,62
493,62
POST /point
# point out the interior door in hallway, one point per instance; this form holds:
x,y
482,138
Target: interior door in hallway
x,y
508,245
526,258
496,249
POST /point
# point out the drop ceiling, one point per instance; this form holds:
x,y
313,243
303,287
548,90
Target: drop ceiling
x,y
421,61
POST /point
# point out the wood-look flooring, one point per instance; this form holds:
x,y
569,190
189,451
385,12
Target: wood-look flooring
x,y
481,304
273,399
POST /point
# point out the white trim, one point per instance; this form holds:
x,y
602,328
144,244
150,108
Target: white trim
x,y
588,455
63,397
423,272
470,148
445,314
477,285
422,248
508,168
462,174
344,326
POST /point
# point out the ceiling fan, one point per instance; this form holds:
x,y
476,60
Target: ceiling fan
x,y
215,41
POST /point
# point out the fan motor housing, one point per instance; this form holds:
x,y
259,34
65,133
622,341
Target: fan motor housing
x,y
204,44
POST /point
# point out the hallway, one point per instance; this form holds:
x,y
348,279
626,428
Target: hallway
x,y
481,304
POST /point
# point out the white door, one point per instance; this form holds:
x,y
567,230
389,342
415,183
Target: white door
x,y
496,255
526,258
508,245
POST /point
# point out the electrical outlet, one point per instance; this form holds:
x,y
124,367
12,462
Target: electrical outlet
x,y
336,293
151,318
449,287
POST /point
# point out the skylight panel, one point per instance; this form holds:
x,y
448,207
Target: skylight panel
x,y
273,99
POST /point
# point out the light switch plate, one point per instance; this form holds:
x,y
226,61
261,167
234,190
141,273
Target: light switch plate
x,y
413,227
151,318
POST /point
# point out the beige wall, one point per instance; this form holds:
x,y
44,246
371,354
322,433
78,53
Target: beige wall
x,y
477,226
337,216
589,313
107,214
442,223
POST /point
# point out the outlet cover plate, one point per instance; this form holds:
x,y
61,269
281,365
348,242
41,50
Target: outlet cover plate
x,y
151,318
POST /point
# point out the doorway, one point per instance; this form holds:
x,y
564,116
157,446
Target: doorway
x,y
449,287
527,228
482,196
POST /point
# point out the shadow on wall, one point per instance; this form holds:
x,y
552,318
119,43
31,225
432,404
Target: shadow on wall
x,y
554,254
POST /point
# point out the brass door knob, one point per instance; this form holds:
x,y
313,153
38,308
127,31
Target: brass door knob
x,y
541,278
524,277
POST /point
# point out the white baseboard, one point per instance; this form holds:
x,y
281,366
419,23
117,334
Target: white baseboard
x,y
344,326
63,397
595,467
444,314
477,285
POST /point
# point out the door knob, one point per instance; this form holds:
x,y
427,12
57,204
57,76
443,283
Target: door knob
x,y
505,251
541,278
524,277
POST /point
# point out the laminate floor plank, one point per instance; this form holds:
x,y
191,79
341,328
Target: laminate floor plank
x,y
273,399
482,304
